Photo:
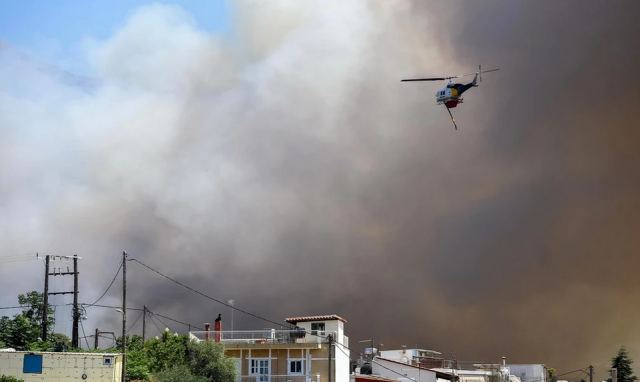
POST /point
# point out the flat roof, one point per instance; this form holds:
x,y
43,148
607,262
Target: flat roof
x,y
5,351
321,317
439,374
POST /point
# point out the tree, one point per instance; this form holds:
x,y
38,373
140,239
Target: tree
x,y
34,303
55,342
4,378
180,373
23,331
167,351
207,360
622,363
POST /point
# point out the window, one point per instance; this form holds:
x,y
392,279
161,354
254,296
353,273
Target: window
x,y
317,328
261,368
107,360
296,366
32,364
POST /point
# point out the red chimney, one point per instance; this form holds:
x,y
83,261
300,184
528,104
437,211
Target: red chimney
x,y
218,327
207,327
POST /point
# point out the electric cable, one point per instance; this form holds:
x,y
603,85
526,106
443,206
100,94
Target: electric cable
x,y
206,295
108,287
135,322
84,334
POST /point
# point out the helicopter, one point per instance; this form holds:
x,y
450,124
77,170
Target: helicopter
x,y
451,95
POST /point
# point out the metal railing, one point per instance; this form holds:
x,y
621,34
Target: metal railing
x,y
279,378
269,336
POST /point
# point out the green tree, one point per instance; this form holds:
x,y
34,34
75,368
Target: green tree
x,y
23,331
622,363
55,342
34,303
207,359
4,378
180,373
169,350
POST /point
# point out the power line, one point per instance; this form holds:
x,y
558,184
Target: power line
x,y
163,323
154,323
391,370
135,322
141,309
108,287
174,320
84,334
206,295
28,306
109,306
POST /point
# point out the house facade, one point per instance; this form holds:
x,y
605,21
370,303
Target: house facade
x,y
317,350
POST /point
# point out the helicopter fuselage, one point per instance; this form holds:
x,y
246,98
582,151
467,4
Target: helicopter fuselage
x,y
451,95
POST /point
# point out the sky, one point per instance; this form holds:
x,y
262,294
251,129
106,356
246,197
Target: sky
x,y
267,152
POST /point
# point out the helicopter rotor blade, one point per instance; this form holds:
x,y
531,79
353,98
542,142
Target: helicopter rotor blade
x,y
479,72
428,79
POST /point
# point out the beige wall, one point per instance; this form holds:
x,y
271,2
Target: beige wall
x,y
64,367
279,359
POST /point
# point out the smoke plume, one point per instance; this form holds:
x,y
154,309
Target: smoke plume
x,y
286,167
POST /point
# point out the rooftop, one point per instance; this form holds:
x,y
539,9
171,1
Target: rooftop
x,y
324,317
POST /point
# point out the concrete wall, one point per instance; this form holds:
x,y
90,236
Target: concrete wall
x,y
529,372
316,360
342,371
335,327
64,367
401,372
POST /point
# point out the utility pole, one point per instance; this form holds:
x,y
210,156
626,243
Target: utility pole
x,y
45,311
330,338
76,312
124,316
144,323
590,373
97,335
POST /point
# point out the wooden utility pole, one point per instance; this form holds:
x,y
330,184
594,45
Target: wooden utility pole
x,y
95,339
76,312
144,323
45,310
124,316
590,373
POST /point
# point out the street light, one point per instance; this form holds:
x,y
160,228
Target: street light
x,y
231,302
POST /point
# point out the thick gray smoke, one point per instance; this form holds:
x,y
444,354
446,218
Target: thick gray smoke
x,y
285,166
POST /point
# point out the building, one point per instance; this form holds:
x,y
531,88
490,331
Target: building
x,y
406,371
434,361
369,378
423,357
529,372
61,367
317,350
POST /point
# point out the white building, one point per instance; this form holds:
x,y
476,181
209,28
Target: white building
x,y
316,351
61,367
407,372
410,355
529,372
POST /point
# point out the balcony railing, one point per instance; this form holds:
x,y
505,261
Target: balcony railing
x,y
279,378
269,336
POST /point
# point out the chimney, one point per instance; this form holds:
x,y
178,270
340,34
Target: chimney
x,y
207,327
218,327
